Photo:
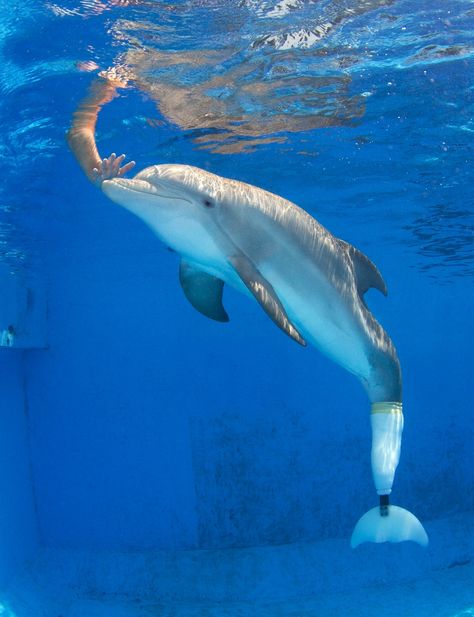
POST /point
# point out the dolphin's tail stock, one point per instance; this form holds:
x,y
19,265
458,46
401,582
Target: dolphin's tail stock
x,y
387,523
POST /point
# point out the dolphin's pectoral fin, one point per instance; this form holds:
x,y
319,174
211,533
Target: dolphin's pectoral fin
x,y
265,295
203,291
366,272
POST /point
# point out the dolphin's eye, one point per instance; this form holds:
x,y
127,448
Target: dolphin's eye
x,y
208,202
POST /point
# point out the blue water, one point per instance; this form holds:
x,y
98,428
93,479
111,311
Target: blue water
x,y
133,423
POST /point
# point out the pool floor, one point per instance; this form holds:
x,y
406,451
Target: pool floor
x,y
321,579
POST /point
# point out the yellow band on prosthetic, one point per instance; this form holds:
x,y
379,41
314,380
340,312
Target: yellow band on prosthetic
x,y
386,407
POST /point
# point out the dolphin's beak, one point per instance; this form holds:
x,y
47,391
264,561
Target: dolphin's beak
x,y
121,187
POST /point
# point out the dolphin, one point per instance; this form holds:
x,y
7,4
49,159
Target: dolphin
x,y
309,283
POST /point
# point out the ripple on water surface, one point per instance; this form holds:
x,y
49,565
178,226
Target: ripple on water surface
x,y
282,78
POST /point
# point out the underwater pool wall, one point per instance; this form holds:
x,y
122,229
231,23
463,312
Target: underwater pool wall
x,y
18,525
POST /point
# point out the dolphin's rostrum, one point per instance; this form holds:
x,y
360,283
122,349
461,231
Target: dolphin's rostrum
x,y
310,283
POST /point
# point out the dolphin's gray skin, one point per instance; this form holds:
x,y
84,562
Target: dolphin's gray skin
x,y
310,283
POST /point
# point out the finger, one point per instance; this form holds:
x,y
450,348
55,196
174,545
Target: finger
x,y
117,162
112,157
126,168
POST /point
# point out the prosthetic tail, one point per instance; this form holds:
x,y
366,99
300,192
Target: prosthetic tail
x,y
387,523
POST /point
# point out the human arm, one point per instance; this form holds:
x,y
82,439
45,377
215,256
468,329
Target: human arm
x,y
81,135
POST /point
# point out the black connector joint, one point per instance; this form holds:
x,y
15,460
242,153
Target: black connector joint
x,y
384,503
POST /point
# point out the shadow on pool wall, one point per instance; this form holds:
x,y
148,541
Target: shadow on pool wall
x,y
154,427
18,525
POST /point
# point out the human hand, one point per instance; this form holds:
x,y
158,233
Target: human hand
x,y
110,168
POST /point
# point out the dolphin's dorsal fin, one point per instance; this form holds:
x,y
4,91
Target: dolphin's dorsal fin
x,y
366,272
265,295
203,290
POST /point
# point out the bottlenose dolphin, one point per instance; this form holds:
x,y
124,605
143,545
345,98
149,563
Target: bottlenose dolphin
x,y
310,283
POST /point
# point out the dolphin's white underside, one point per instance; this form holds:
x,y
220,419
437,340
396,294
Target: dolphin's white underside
x,y
312,306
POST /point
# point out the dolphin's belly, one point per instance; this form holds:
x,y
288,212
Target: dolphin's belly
x,y
322,315
314,306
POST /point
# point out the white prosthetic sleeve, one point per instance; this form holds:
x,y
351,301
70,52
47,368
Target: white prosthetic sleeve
x,y
387,427
387,523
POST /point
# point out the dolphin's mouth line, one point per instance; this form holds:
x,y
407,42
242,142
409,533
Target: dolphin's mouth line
x,y
152,193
